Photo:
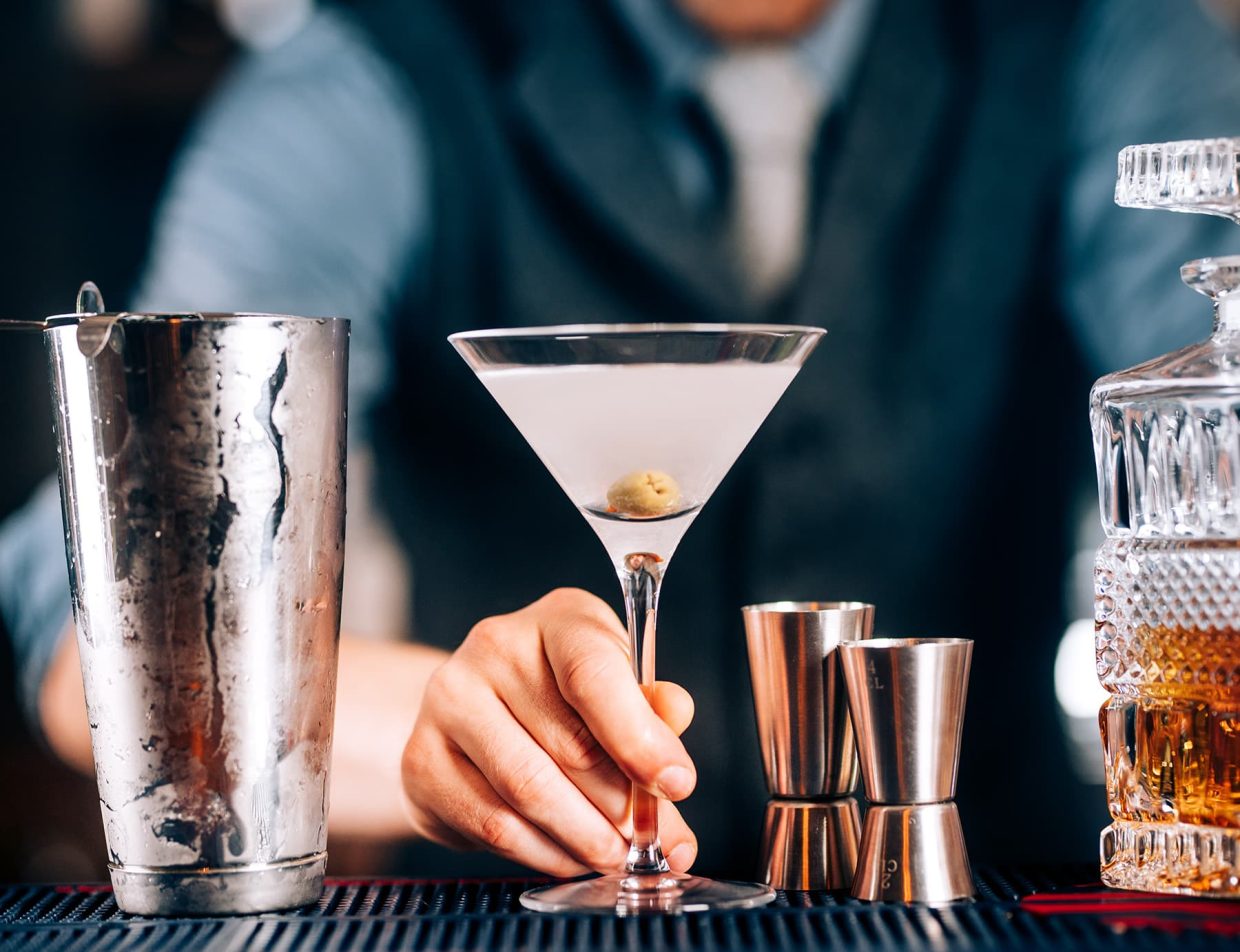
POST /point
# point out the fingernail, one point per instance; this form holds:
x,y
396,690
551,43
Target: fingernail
x,y
682,857
674,782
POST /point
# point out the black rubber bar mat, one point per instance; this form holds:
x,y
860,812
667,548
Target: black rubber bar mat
x,y
1061,908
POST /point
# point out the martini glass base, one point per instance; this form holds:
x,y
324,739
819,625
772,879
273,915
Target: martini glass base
x,y
630,894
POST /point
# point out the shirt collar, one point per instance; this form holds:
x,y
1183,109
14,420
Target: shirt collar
x,y
677,51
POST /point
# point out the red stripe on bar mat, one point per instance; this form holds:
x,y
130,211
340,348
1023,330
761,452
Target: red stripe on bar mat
x,y
1121,910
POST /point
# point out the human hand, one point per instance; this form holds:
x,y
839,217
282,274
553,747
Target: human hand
x,y
528,737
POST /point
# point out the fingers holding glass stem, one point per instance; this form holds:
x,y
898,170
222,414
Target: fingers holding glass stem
x,y
531,733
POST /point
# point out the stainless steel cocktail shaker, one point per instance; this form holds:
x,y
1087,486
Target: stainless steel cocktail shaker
x,y
202,473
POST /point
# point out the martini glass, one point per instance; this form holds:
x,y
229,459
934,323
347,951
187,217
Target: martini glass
x,y
638,423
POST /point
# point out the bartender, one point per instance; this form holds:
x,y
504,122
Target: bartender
x,y
930,181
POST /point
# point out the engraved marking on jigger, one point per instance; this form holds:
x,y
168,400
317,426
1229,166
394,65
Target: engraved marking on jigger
x,y
874,681
890,867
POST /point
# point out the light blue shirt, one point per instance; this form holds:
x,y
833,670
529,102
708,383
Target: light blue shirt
x,y
305,188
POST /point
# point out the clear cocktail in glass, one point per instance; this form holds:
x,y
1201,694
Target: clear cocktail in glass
x,y
639,423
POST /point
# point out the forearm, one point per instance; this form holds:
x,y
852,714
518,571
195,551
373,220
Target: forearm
x,y
62,706
378,694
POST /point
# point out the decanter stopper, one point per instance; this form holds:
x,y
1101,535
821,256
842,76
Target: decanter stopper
x,y
1194,175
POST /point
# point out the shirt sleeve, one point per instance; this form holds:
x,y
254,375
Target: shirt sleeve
x,y
1145,71
301,190
34,590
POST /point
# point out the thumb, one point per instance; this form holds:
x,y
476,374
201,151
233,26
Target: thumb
x,y
673,704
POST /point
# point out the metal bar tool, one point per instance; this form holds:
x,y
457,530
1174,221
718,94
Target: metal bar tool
x,y
907,699
812,825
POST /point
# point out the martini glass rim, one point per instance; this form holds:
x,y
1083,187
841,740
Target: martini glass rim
x,y
566,331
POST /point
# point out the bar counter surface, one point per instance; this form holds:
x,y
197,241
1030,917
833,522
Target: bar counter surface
x,y
1059,908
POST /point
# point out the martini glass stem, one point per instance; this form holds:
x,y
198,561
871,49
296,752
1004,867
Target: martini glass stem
x,y
641,574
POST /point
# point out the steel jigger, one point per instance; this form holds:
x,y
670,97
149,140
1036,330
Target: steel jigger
x,y
907,699
810,844
812,825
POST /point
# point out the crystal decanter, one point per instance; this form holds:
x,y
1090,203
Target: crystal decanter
x,y
1167,578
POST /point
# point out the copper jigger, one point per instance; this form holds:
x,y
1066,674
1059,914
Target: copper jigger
x,y
907,699
811,829
913,853
810,844
808,751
